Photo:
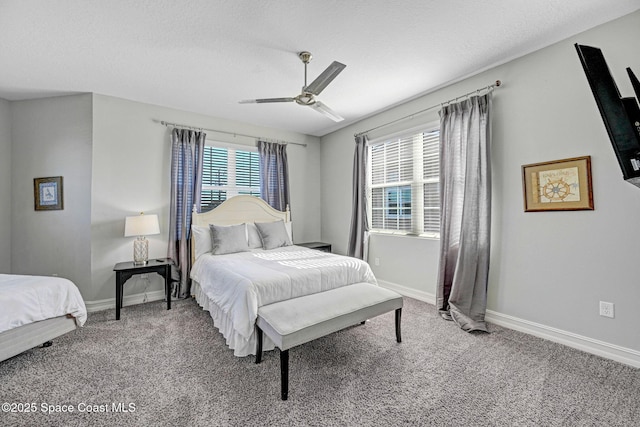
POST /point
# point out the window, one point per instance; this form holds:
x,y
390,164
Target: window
x,y
228,170
404,184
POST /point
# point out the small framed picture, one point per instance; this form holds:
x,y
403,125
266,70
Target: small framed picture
x,y
559,185
47,193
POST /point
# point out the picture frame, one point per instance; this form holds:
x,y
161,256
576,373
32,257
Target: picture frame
x,y
558,185
48,193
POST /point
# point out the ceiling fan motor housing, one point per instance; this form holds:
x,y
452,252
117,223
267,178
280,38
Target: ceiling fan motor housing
x,y
305,98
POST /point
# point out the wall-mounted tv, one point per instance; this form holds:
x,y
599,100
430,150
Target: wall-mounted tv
x,y
621,116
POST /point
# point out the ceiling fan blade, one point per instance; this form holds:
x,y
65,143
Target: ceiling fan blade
x,y
323,109
265,100
325,78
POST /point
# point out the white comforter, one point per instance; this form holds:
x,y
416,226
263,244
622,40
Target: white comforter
x,y
240,283
28,299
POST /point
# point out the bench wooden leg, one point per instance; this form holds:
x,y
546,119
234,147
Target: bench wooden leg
x,y
284,374
258,344
398,316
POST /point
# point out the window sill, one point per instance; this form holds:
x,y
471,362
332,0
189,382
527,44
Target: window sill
x,y
427,236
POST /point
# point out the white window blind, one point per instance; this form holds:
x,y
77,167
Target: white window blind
x,y
404,188
431,181
228,170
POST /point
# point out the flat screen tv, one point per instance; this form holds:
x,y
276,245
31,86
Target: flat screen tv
x,y
621,115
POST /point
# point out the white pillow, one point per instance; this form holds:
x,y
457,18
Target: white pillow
x,y
202,236
273,234
228,239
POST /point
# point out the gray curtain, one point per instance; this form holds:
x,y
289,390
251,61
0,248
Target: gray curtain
x,y
274,171
359,232
186,181
465,230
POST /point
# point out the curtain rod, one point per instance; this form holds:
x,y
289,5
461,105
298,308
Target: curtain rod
x,y
496,84
225,132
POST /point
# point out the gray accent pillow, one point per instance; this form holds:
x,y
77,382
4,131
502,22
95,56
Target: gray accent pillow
x,y
255,242
228,239
273,234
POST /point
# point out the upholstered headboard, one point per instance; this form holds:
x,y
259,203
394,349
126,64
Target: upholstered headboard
x,y
238,210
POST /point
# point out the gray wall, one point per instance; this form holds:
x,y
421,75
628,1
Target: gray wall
x,y
547,269
52,137
131,162
5,186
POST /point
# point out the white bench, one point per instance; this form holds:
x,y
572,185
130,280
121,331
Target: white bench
x,y
296,321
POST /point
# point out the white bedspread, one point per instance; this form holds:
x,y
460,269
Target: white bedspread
x,y
28,299
240,283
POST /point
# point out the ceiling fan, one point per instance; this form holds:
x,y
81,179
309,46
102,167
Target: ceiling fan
x,y
309,92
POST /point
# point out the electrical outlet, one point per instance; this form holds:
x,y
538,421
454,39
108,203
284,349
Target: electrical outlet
x,y
144,276
606,309
376,261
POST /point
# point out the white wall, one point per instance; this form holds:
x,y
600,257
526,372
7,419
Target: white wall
x,y
52,137
5,187
550,268
131,162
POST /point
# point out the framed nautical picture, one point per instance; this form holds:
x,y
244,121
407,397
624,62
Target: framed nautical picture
x,y
47,193
559,185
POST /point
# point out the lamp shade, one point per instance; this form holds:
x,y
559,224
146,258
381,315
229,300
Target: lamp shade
x,y
141,225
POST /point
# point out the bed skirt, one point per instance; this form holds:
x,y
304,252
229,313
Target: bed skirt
x,y
241,346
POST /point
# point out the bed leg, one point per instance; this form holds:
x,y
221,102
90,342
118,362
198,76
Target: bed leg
x,y
258,344
398,316
284,374
47,344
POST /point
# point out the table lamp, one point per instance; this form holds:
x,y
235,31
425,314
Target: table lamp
x,y
140,226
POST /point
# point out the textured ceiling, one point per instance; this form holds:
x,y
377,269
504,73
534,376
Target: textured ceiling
x,y
204,56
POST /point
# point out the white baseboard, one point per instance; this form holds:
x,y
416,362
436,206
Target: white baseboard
x,y
600,348
108,303
409,292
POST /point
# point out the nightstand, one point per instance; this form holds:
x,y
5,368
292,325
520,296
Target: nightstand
x,y
124,271
320,246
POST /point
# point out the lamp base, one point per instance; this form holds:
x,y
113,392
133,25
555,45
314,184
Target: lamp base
x,y
140,251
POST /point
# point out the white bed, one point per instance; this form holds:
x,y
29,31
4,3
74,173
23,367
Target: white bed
x,y
35,310
232,286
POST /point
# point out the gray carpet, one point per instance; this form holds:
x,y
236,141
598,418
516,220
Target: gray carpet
x,y
175,369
